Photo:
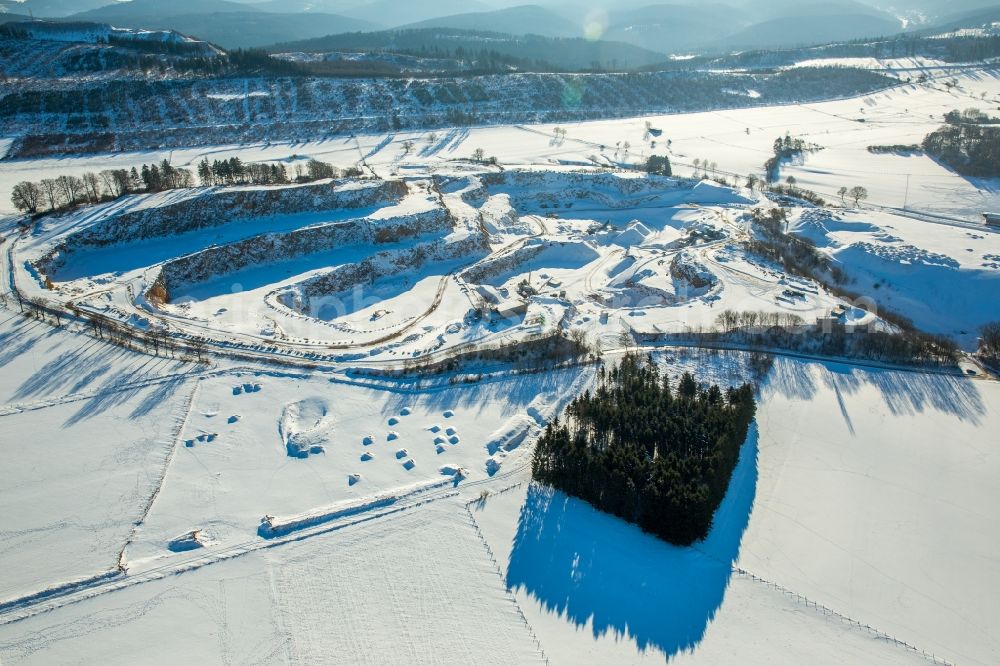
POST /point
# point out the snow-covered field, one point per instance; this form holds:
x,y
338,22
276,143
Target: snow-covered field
x,y
233,509
860,510
867,493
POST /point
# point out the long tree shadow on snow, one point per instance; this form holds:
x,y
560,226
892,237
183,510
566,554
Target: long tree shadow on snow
x,y
593,569
903,393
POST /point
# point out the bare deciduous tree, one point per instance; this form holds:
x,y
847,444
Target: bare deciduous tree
x,y
27,197
92,186
50,188
858,193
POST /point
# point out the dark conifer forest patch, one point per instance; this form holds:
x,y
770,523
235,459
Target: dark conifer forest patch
x,y
655,455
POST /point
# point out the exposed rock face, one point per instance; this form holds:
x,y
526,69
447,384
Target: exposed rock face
x,y
215,207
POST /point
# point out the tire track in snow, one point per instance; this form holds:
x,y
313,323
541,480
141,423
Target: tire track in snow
x,y
22,608
72,592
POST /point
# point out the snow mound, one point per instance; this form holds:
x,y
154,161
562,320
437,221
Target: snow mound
x,y
635,233
904,255
817,224
710,192
573,254
272,526
191,541
511,434
304,426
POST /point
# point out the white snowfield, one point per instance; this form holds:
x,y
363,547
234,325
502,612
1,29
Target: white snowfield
x,y
863,498
281,501
856,527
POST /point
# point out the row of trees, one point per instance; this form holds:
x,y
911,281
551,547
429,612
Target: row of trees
x,y
732,320
69,191
907,346
234,171
654,455
479,155
62,192
971,116
857,193
154,340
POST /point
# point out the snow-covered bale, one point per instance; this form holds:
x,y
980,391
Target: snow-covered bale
x,y
454,471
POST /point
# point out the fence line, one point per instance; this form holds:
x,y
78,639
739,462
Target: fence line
x,y
496,564
933,658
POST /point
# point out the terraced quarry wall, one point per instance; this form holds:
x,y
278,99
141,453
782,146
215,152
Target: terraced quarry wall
x,y
386,264
216,207
270,248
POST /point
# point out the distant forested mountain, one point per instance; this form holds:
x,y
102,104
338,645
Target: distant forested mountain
x,y
559,53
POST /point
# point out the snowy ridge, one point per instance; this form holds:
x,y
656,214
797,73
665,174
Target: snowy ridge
x,y
548,189
60,590
272,527
102,33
